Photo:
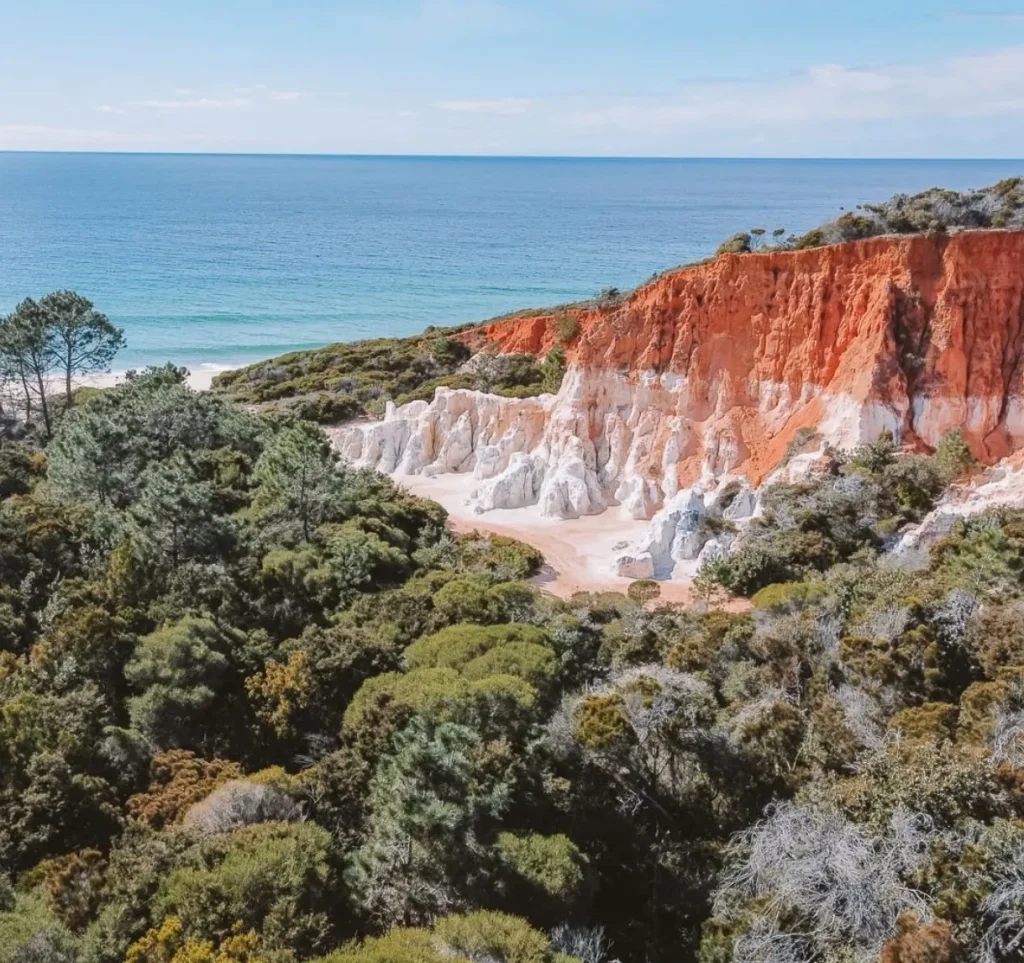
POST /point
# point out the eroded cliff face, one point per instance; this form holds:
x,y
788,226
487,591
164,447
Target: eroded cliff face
x,y
714,372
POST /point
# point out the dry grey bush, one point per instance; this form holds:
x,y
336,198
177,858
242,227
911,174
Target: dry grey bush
x,y
753,710
845,887
788,628
1004,939
405,889
584,943
669,714
828,630
675,696
492,369
1008,739
49,945
561,727
885,624
862,716
242,803
680,696
909,559
955,616
764,942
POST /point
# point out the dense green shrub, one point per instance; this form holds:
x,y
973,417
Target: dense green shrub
x,y
567,328
998,206
274,878
345,381
554,864
458,645
737,244
457,939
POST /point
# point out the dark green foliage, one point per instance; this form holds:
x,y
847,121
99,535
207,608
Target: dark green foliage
x,y
567,328
431,802
297,478
15,469
953,456
553,370
999,206
984,554
140,861
275,878
27,361
737,244
104,448
179,673
82,340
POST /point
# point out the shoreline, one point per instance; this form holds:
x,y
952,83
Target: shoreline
x,y
200,379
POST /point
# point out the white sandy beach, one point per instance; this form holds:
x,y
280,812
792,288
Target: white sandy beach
x,y
199,379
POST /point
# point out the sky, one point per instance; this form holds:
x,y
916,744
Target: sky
x,y
738,78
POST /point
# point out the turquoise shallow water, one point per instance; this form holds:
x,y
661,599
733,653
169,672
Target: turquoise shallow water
x,y
227,259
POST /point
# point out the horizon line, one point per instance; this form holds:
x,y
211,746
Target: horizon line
x,y
547,157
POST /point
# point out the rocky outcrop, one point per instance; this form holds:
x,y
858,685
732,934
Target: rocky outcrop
x,y
715,372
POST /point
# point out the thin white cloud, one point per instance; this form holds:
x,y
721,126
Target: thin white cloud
x,y
504,107
242,98
195,103
981,85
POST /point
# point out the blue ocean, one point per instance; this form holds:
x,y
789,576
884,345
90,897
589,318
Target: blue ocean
x,y
225,259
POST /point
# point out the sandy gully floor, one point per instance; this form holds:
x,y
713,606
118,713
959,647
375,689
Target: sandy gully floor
x,y
580,552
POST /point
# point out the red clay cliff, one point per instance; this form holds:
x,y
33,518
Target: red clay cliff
x,y
921,333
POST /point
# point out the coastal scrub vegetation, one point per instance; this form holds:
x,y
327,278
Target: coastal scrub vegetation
x,y
999,206
355,380
256,707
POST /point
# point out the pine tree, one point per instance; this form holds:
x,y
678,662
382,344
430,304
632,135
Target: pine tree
x,y
81,339
297,476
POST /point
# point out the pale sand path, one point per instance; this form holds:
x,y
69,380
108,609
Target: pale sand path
x,y
579,551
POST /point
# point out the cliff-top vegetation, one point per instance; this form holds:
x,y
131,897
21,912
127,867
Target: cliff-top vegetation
x,y
356,379
934,210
